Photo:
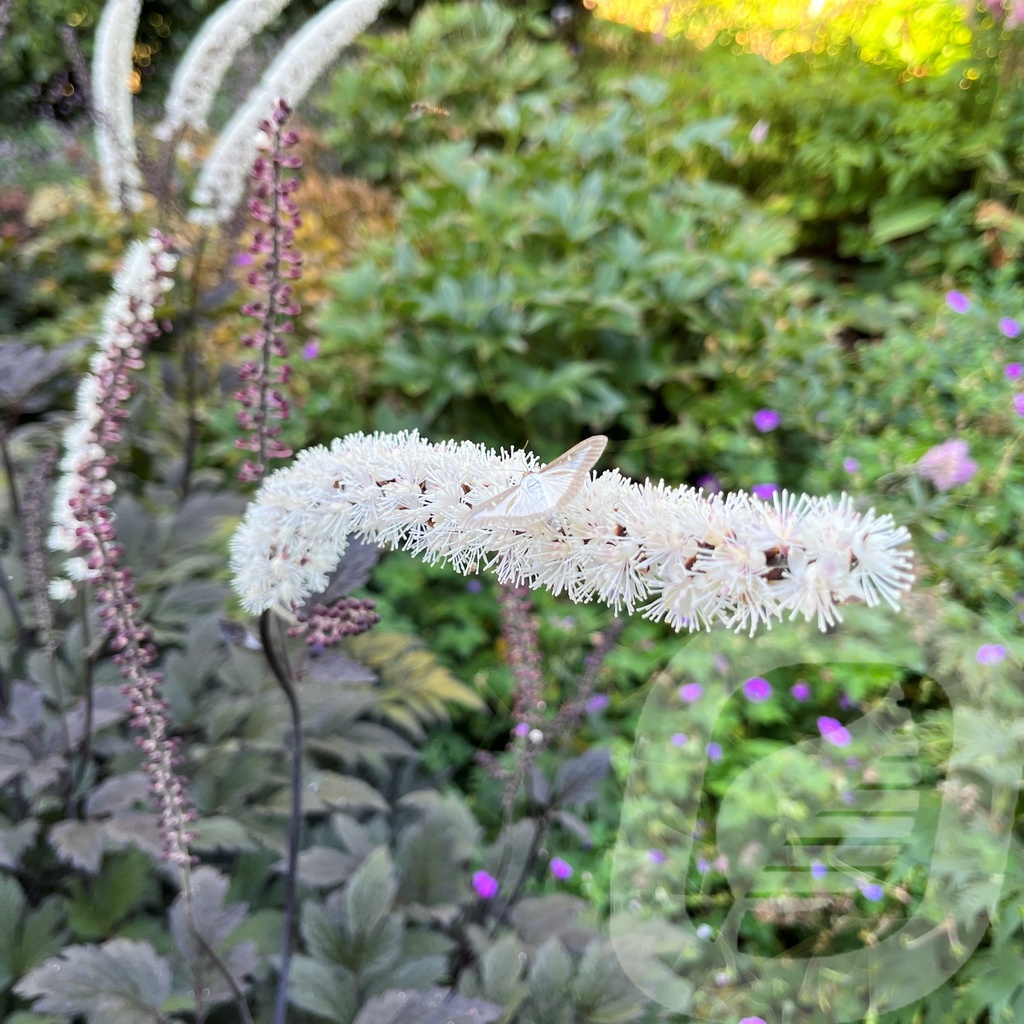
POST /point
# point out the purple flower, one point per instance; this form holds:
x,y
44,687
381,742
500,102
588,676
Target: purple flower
x,y
847,798
764,491
690,692
766,420
597,703
872,891
958,302
486,885
949,464
702,865
752,1020
818,870
474,586
844,702
800,690
522,729
1009,327
679,739
244,259
1013,370
759,132
757,689
561,869
1018,404
851,465
991,654
833,732
714,751
656,856
710,483
704,931
310,349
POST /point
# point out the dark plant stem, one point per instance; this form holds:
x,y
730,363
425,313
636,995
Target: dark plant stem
x,y
541,826
78,64
283,676
189,894
190,369
85,748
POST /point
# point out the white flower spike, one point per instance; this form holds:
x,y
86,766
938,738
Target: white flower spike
x,y
674,553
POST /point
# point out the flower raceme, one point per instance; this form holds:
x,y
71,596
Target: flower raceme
x,y
676,554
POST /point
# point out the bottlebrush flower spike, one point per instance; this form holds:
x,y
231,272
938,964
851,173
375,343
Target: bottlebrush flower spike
x,y
694,560
281,263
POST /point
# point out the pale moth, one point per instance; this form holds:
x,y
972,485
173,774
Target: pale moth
x,y
540,492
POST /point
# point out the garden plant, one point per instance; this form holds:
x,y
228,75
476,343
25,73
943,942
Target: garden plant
x,y
524,526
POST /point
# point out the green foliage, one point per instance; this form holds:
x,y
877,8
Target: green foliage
x,y
494,57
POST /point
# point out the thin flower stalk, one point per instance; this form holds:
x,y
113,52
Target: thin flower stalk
x,y
208,58
261,398
112,104
300,63
83,525
693,560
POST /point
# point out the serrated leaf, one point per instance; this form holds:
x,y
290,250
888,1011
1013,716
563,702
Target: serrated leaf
x,y
433,1006
12,906
578,779
81,843
118,793
220,832
603,993
549,978
96,906
122,981
501,968
322,936
324,867
327,990
370,893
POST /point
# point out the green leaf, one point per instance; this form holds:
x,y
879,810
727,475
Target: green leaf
x,y
370,893
326,990
97,906
120,982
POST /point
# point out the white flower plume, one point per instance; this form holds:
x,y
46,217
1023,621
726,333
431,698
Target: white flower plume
x,y
207,60
307,54
112,103
100,403
674,553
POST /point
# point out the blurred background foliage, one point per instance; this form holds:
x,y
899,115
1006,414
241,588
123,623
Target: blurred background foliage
x,y
652,230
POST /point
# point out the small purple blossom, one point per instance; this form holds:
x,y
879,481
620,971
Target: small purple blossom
x,y
833,732
752,1020
766,420
244,259
847,798
757,689
311,349
818,870
1013,370
474,586
958,302
800,690
597,703
872,891
851,465
1018,404
656,856
991,654
948,465
522,729
1009,327
714,751
486,885
710,483
702,865
844,702
690,692
679,739
760,131
561,869
764,491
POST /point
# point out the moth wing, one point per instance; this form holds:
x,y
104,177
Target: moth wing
x,y
520,505
569,471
